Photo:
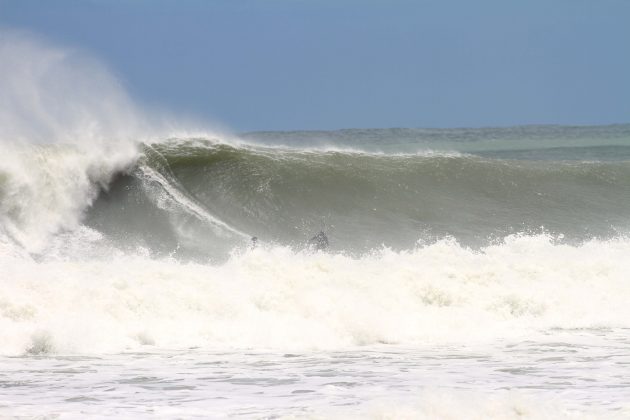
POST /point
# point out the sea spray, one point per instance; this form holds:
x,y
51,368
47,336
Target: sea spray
x,y
66,126
53,95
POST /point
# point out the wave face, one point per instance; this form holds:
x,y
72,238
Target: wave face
x,y
199,198
195,193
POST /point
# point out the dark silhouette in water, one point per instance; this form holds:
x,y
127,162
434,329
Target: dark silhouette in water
x,y
254,242
319,241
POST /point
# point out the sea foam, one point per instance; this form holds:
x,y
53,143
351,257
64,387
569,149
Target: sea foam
x,y
280,299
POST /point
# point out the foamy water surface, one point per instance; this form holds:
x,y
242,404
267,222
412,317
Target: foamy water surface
x,y
560,374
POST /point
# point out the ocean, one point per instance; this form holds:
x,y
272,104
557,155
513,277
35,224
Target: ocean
x,y
470,273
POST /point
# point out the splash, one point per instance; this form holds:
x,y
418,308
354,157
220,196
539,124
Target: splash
x,y
66,126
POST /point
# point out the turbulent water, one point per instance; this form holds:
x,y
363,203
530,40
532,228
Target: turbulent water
x,y
470,272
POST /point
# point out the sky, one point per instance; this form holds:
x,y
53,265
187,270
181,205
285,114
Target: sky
x,y
330,64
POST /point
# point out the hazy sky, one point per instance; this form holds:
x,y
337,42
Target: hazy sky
x,y
298,64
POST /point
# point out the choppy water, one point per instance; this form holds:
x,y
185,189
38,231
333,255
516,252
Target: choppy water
x,y
564,374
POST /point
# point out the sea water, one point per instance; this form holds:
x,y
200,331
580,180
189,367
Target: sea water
x,y
471,273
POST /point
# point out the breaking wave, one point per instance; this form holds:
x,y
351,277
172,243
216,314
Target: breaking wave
x,y
116,234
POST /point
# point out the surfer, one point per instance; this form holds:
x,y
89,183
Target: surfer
x,y
254,242
319,241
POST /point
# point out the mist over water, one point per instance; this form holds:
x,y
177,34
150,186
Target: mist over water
x,y
119,234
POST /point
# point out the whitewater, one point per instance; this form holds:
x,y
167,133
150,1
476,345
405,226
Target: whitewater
x,y
471,273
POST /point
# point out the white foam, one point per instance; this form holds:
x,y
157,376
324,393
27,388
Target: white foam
x,y
45,189
279,299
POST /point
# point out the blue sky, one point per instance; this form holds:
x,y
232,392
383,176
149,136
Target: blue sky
x,y
297,64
